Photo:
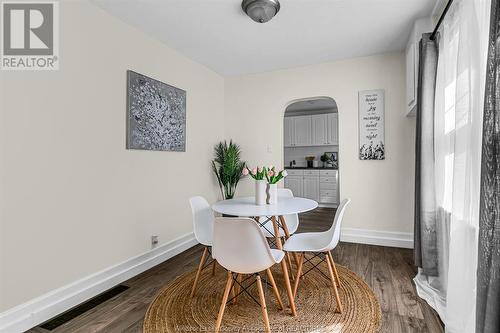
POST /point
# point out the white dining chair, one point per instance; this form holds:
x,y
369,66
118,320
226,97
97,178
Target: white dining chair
x,y
203,223
292,220
319,243
241,248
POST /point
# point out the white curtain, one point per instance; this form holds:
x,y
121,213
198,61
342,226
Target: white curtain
x,y
459,103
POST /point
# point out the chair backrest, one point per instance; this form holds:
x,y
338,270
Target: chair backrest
x,y
292,220
334,231
240,245
285,193
203,220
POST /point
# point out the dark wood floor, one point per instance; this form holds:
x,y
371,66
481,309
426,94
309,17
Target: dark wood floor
x,y
389,272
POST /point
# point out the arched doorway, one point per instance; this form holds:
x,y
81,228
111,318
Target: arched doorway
x,y
311,146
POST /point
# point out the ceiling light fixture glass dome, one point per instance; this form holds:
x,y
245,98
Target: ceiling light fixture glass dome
x,y
261,10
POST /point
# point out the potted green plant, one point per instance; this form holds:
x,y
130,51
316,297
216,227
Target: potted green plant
x,y
227,166
325,159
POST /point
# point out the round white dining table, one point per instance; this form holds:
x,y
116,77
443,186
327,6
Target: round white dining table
x,y
246,207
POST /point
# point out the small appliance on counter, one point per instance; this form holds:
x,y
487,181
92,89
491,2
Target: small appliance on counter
x,y
310,160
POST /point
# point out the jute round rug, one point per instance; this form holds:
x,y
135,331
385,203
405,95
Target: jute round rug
x,y
174,311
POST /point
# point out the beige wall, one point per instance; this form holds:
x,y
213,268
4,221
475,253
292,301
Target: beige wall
x,y
73,199
381,191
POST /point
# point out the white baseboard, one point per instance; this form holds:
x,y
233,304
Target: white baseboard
x,y
40,309
382,238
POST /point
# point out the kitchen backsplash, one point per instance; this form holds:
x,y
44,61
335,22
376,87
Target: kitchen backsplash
x,y
299,153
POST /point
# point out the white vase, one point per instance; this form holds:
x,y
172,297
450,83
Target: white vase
x,y
260,192
272,194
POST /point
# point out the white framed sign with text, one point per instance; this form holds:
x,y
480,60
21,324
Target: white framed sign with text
x,y
371,125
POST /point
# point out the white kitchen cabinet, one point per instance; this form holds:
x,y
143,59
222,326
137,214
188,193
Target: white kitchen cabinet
x,y
332,122
311,172
311,187
315,130
295,183
320,185
289,139
319,129
420,27
302,130
328,186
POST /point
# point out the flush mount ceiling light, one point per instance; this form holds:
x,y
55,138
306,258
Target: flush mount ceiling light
x,y
261,10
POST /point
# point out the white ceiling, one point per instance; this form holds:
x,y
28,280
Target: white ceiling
x,y
218,34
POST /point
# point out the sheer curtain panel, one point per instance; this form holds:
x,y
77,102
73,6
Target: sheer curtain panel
x,y
458,111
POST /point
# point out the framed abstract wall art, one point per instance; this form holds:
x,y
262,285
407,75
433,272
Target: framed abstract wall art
x,y
156,114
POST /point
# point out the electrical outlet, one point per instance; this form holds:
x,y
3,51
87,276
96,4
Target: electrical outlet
x,y
154,241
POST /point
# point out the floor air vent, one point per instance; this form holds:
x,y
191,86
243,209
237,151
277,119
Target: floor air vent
x,y
82,308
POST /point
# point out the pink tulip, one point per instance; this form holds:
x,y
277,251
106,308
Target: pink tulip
x,y
260,169
254,171
245,172
270,173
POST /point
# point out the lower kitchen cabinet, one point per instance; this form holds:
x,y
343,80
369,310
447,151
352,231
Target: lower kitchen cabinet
x,y
319,185
311,187
295,184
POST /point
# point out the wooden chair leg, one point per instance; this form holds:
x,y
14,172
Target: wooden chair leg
x,y
263,305
334,284
214,265
290,265
296,258
304,254
275,288
200,267
288,259
287,235
224,300
337,278
285,270
233,291
299,272
237,288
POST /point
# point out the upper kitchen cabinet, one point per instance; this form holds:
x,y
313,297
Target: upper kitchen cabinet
x,y
420,27
297,131
319,130
332,121
315,130
289,139
302,130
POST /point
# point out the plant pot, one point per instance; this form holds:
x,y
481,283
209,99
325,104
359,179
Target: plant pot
x,y
272,194
260,192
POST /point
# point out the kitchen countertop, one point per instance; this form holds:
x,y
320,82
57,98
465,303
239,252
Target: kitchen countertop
x,y
306,168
